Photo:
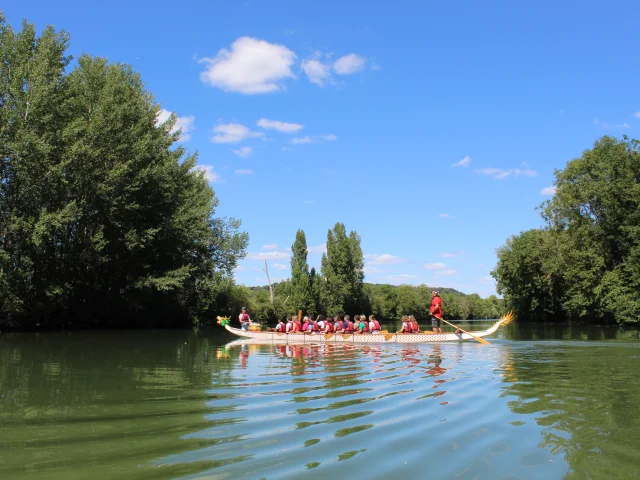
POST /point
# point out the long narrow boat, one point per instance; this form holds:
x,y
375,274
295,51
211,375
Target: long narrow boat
x,y
422,337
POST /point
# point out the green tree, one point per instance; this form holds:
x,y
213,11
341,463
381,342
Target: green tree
x,y
301,291
343,269
102,220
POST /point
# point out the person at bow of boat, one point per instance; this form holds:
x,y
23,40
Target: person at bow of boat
x,y
374,325
406,325
245,319
338,326
435,310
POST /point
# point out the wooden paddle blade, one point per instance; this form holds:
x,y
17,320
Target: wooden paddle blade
x,y
328,336
388,336
345,336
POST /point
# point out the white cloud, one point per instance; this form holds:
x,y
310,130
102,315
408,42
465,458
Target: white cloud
x,y
435,266
244,152
209,174
232,133
319,249
316,71
548,191
637,114
463,163
349,64
269,246
446,215
500,173
607,126
374,270
251,66
384,259
449,255
275,255
487,280
329,138
283,127
298,141
401,278
446,272
244,172
280,266
185,124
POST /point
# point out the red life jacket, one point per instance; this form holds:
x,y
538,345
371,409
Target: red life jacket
x,y
329,328
315,326
305,327
338,325
349,327
280,327
296,326
406,327
245,318
414,327
366,327
376,326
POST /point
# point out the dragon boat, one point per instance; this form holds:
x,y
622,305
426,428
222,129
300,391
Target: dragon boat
x,y
268,337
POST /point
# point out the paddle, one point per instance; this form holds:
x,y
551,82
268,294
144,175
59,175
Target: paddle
x,y
481,340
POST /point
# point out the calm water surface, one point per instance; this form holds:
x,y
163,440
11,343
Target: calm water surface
x,y
540,402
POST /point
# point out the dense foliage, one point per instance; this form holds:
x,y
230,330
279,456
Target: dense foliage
x,y
103,220
584,265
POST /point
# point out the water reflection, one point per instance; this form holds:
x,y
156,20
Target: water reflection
x,y
184,405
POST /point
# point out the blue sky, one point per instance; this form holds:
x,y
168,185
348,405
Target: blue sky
x,y
431,128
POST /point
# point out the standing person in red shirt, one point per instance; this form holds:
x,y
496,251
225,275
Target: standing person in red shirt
x,y
436,311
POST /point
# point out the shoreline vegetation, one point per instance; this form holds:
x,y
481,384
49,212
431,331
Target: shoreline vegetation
x,y
107,222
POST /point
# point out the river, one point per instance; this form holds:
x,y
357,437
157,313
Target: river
x,y
539,402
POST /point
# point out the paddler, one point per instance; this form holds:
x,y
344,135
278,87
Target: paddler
x,y
435,310
245,319
374,325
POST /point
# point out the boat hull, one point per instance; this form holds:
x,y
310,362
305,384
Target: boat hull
x,y
291,338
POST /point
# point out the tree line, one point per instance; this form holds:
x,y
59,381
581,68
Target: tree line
x,y
339,288
584,264
104,219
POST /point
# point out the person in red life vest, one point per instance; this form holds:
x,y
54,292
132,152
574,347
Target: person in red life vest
x,y
356,324
328,326
314,327
415,328
280,327
374,325
364,325
297,326
321,322
435,310
348,324
245,319
338,326
289,328
305,324
406,325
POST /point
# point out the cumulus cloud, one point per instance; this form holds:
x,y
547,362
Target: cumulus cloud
x,y
250,66
501,173
269,246
548,191
299,141
349,64
209,173
462,163
283,127
329,138
244,172
319,249
637,114
274,255
317,72
185,125
607,126
384,259
435,266
243,152
232,133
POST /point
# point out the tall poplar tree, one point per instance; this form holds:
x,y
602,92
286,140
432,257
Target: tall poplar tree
x,y
343,269
300,280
